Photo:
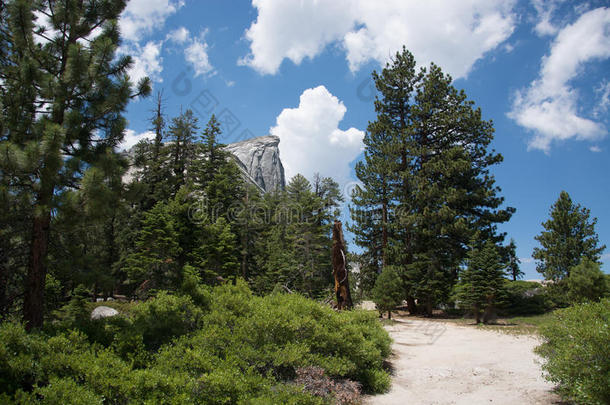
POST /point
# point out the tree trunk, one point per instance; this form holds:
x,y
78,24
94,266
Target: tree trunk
x,y
411,305
389,314
3,286
344,298
384,234
490,312
477,314
429,307
33,302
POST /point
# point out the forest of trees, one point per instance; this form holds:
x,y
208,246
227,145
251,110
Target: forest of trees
x,y
200,258
427,194
75,211
427,212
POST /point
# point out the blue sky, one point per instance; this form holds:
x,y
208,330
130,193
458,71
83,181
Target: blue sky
x,y
301,69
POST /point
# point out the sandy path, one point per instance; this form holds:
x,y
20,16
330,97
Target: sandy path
x,y
443,363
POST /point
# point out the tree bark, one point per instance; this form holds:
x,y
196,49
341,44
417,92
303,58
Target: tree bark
x,y
3,286
477,314
384,233
33,303
428,307
344,298
411,305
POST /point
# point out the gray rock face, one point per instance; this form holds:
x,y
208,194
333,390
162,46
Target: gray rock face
x,y
259,158
103,312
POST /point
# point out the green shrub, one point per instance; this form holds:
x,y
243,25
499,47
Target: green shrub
x,y
59,391
524,298
586,282
279,333
243,349
388,291
576,351
557,294
164,317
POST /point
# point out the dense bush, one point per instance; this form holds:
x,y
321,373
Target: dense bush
x,y
237,348
576,351
524,298
389,290
586,282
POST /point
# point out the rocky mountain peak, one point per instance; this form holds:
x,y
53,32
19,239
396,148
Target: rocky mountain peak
x,y
259,158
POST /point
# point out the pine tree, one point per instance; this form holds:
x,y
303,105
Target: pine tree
x,y
513,261
275,263
388,292
396,85
82,248
481,284
218,253
586,282
433,144
214,155
155,259
453,195
372,206
569,237
182,133
62,107
153,164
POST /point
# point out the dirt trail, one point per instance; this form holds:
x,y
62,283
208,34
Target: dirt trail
x,y
444,363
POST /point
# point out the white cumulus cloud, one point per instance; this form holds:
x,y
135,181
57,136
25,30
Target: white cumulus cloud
x,y
179,35
549,106
452,34
141,17
147,60
310,138
196,54
131,138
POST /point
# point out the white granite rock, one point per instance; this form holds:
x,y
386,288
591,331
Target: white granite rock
x,y
103,312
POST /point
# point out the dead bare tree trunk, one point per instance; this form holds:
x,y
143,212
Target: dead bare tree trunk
x,y
344,298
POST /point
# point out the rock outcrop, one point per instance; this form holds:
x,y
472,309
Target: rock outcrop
x,y
103,312
259,158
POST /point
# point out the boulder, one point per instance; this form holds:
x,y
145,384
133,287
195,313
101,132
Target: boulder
x,y
103,312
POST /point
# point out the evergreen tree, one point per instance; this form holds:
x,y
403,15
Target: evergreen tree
x,y
432,144
182,133
586,282
388,292
273,254
308,237
453,195
372,202
569,237
155,260
214,155
153,165
83,248
61,108
218,253
512,261
249,221
481,284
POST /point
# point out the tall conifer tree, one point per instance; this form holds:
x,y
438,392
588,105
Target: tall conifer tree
x,y
65,91
569,236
